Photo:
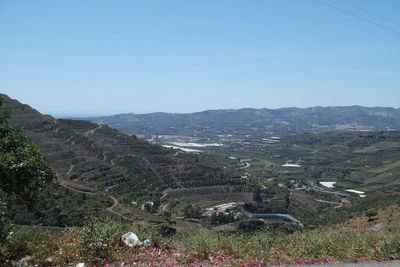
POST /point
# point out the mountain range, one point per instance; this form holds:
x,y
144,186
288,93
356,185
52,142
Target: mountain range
x,y
256,121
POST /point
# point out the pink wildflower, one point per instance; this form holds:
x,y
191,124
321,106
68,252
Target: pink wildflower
x,y
169,263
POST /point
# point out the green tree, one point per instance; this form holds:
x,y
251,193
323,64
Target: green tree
x,y
257,194
223,217
192,212
370,214
23,170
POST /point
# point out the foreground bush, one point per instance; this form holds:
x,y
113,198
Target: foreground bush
x,y
21,241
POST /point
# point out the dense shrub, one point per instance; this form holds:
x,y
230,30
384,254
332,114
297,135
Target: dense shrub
x,y
98,236
266,207
251,225
223,217
192,212
21,241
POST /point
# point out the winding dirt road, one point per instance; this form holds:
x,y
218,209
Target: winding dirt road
x,y
115,203
109,209
92,130
70,168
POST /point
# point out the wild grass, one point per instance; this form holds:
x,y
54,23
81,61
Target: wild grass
x,y
98,243
271,247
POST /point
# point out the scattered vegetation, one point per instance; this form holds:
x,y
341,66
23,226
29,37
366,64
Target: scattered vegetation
x,y
98,242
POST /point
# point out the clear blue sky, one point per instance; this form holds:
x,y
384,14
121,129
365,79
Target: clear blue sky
x,y
105,57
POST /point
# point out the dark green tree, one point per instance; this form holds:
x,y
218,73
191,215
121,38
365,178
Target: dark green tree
x,y
223,217
257,194
370,214
192,212
23,169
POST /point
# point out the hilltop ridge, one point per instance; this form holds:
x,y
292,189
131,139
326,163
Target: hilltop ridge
x,y
282,121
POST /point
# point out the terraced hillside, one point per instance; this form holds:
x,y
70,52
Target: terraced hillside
x,y
369,160
103,170
346,172
94,158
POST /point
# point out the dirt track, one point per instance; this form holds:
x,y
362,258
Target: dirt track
x,y
109,209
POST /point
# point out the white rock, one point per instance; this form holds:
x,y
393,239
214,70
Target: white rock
x,y
291,165
328,184
355,191
131,239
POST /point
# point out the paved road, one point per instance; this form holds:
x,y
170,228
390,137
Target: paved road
x,y
358,264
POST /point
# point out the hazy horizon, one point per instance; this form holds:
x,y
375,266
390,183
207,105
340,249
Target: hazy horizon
x,y
59,115
86,115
